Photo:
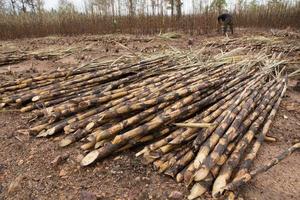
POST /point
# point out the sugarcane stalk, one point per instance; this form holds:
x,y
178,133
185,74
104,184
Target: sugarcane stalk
x,y
207,117
162,118
159,143
166,140
79,134
248,176
128,122
194,125
189,173
230,134
221,128
79,117
200,187
234,159
246,163
165,167
70,108
120,126
139,131
180,164
142,140
101,153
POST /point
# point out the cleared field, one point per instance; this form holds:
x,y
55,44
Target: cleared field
x,y
34,163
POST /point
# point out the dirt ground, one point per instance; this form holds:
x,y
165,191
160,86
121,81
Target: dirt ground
x,y
27,165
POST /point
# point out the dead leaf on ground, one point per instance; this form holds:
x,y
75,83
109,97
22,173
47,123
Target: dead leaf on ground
x,y
15,184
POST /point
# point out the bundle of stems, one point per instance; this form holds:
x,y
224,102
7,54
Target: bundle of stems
x,y
197,116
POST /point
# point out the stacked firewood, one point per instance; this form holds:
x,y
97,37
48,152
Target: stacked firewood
x,y
198,116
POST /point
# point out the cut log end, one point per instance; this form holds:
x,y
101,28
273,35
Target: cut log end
x,y
25,109
42,134
117,140
36,98
179,177
91,138
171,172
188,178
196,191
67,129
143,151
198,159
201,174
50,131
231,196
88,145
90,126
98,145
89,158
270,139
296,146
176,141
65,142
218,186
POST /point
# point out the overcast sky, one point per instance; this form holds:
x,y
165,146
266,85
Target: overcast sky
x,y
49,4
187,4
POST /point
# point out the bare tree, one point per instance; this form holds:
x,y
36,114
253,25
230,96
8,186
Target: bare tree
x,y
13,5
171,6
178,8
119,7
200,6
218,5
131,7
65,5
161,5
31,4
112,5
39,4
142,6
2,6
23,6
153,5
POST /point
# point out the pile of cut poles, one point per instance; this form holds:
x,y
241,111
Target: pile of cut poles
x,y
14,56
48,54
268,44
8,58
202,120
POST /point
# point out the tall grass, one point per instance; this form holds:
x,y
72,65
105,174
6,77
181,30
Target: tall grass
x,y
74,23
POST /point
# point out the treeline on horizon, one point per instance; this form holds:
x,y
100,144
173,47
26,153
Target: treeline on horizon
x,y
28,18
